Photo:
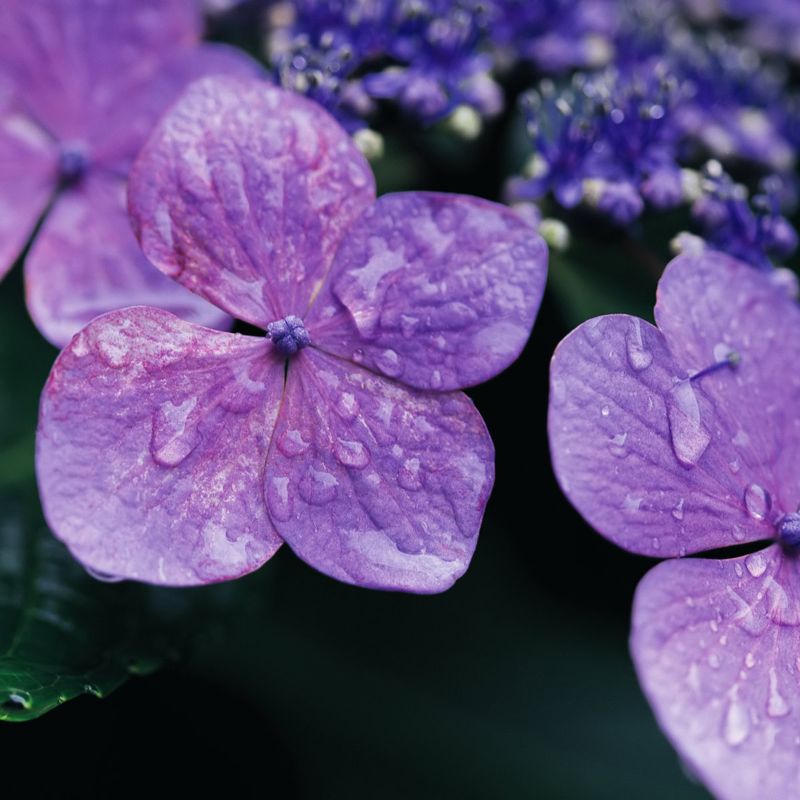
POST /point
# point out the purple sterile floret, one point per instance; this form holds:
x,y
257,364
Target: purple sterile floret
x,y
177,455
684,438
82,83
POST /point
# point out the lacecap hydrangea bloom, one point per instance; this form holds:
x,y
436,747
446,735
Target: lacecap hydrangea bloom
x,y
82,83
178,455
681,439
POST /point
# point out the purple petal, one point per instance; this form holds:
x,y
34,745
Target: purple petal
x,y
374,484
152,439
243,194
85,262
716,647
28,178
439,291
119,134
712,302
644,453
72,61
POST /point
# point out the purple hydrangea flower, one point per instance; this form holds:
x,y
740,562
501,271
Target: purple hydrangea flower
x,y
81,85
686,438
178,455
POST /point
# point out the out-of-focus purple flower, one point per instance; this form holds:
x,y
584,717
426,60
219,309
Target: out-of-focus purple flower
x,y
423,54
686,438
81,84
177,455
610,139
555,35
753,231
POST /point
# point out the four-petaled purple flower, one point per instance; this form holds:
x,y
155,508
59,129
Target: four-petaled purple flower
x,y
82,83
686,438
178,455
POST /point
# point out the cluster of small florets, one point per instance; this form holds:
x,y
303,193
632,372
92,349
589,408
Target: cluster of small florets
x,y
432,58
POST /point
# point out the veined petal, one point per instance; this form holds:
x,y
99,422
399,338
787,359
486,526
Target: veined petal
x,y
69,61
85,261
375,484
28,177
648,457
716,645
439,291
712,303
243,193
152,439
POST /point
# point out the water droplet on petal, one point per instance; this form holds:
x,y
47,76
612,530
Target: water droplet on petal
x,y
738,569
757,501
351,454
688,437
677,510
173,437
617,445
776,702
291,443
408,476
388,362
318,487
358,355
734,466
347,406
756,564
605,411
408,326
436,379
736,726
278,501
105,577
639,356
749,660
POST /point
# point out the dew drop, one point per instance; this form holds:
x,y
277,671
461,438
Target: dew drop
x,y
105,577
757,501
738,569
388,362
408,326
318,487
291,443
749,660
639,357
605,411
436,379
734,466
408,476
173,438
776,702
347,406
632,502
656,543
358,355
278,500
677,510
688,437
756,564
617,445
351,453
18,699
736,726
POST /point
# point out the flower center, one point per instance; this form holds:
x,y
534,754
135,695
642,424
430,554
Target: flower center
x,y
789,530
73,161
288,335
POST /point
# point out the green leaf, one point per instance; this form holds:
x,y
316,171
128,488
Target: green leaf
x,y
63,633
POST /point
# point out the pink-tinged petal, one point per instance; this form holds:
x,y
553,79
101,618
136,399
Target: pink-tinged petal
x,y
439,291
153,434
72,60
712,303
28,177
119,134
645,454
86,261
717,648
243,193
375,484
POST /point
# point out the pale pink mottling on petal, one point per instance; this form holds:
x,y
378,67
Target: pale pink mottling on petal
x,y
151,446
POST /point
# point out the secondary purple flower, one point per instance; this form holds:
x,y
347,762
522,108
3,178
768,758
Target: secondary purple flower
x,y
686,438
81,84
177,455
